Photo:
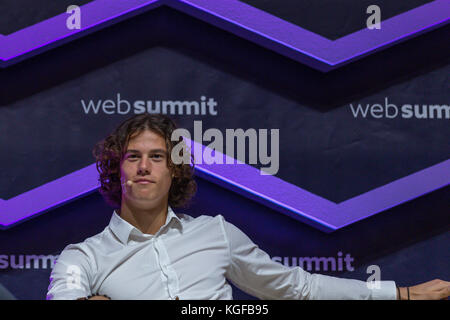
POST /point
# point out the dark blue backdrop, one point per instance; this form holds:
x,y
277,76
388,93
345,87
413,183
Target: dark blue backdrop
x,y
166,55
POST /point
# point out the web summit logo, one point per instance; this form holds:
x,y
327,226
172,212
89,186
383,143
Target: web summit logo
x,y
202,107
406,111
27,261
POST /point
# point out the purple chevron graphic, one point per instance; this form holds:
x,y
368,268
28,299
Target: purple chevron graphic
x,y
268,31
247,181
239,18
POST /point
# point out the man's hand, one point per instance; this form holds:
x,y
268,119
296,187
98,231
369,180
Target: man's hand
x,y
431,290
99,298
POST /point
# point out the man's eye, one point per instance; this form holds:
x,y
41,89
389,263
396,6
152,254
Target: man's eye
x,y
154,157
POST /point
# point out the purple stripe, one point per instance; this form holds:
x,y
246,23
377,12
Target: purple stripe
x,y
50,195
247,181
394,193
239,18
53,32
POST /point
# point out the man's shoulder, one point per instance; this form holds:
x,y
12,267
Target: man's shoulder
x,y
87,245
200,220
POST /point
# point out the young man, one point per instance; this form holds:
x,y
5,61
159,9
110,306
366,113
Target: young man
x,y
149,252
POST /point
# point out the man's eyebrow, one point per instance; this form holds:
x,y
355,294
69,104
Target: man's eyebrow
x,y
151,151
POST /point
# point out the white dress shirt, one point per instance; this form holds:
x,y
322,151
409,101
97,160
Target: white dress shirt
x,y
189,258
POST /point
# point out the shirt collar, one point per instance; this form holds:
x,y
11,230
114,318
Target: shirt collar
x,y
122,229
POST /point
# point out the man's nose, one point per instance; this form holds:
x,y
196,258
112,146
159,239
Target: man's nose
x,y
144,166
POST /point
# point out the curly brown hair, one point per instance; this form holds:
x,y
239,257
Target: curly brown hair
x,y
110,151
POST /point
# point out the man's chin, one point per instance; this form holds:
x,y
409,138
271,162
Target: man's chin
x,y
143,202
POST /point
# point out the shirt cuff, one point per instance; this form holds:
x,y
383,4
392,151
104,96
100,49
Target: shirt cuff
x,y
72,295
386,291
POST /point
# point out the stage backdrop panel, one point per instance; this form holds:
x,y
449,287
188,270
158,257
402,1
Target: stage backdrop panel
x,y
342,134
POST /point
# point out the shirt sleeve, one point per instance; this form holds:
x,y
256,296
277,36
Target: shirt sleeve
x,y
71,276
252,270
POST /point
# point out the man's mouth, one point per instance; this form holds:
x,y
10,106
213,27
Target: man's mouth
x,y
143,181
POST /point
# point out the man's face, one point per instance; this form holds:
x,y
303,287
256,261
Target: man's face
x,y
145,163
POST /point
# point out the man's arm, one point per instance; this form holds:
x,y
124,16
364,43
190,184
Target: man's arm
x,y
252,270
71,276
432,290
